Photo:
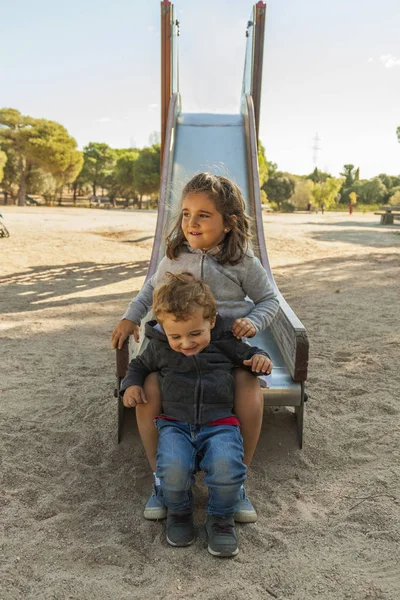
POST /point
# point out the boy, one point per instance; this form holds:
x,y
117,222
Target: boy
x,y
195,360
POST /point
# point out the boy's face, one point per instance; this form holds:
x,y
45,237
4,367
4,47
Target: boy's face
x,y
191,336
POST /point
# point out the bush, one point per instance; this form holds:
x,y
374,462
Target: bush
x,y
287,207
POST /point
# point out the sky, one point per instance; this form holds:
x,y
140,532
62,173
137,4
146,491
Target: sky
x,y
330,68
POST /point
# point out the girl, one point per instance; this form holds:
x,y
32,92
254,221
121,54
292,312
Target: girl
x,y
210,239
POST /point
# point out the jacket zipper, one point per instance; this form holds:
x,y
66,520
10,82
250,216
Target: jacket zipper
x,y
201,265
198,391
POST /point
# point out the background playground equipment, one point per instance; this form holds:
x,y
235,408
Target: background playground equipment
x,y
3,229
191,143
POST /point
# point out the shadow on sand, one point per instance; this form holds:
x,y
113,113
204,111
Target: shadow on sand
x,y
41,287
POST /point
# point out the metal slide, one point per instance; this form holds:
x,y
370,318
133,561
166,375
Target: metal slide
x,y
226,144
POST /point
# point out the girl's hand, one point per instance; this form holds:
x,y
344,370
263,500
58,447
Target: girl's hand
x,y
243,328
259,364
134,395
124,329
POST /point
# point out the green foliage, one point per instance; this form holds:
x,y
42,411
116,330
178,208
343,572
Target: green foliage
x,y
394,199
398,133
349,174
302,195
36,143
351,183
280,187
98,163
124,176
318,176
263,197
146,171
287,206
3,160
353,198
9,183
326,192
54,151
262,165
372,191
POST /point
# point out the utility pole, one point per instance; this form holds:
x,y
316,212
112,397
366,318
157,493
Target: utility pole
x,y
316,148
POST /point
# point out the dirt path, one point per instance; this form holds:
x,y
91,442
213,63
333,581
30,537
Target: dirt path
x,y
72,500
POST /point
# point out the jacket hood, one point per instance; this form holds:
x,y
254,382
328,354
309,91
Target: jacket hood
x,y
216,251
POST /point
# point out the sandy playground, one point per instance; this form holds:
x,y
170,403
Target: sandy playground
x,y
72,499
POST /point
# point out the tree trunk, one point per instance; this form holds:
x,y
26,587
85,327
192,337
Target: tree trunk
x,y
5,198
140,202
94,189
74,187
22,185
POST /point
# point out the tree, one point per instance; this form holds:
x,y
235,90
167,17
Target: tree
x,y
353,198
3,160
98,163
55,152
302,195
9,183
394,199
326,192
280,187
262,165
318,176
372,191
398,133
351,182
15,131
146,172
349,174
37,143
124,175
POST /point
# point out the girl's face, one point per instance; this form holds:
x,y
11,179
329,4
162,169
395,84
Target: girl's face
x,y
202,225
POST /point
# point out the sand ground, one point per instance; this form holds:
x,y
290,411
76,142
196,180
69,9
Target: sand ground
x,y
72,499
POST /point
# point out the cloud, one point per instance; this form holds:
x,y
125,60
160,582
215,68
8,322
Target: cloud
x,y
153,106
389,61
370,60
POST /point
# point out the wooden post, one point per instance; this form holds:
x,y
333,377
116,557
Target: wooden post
x,y
256,80
166,75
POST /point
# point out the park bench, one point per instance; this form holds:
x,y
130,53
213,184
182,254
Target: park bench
x,y
388,214
100,202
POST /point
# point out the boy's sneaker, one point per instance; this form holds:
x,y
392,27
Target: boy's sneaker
x,y
221,534
180,528
246,513
155,508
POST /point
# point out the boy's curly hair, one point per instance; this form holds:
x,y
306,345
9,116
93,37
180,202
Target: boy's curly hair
x,y
181,295
229,202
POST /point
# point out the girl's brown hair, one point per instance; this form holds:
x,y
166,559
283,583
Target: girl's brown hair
x,y
229,202
181,295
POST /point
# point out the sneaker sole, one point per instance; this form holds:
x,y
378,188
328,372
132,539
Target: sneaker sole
x,y
223,554
155,514
245,517
179,545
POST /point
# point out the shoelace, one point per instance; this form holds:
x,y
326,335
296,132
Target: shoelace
x,y
226,528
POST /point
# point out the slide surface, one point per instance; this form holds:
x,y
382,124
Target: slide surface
x,y
219,144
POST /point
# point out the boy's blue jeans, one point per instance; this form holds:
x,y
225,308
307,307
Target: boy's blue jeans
x,y
217,450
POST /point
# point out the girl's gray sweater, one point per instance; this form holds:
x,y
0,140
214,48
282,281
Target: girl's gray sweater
x,y
241,290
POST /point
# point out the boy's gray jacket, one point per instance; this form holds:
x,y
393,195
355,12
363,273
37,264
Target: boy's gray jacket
x,y
195,389
241,290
